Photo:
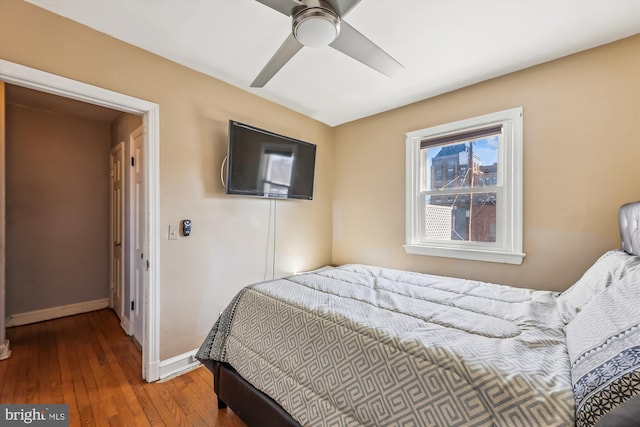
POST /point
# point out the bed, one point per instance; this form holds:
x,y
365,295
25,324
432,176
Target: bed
x,y
363,345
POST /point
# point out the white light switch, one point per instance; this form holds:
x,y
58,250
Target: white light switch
x,y
173,232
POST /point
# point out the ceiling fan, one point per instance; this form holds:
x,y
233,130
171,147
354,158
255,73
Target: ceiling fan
x,y
318,23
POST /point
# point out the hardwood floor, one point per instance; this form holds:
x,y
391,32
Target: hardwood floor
x,y
88,362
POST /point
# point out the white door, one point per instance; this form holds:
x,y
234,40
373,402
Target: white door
x,y
116,276
138,256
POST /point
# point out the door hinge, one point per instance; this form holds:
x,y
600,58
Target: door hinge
x,y
133,305
133,161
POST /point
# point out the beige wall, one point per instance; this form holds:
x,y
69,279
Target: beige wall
x,y
228,246
581,156
57,184
123,127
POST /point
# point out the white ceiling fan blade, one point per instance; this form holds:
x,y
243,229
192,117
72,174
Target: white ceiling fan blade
x,y
351,42
283,6
289,48
342,7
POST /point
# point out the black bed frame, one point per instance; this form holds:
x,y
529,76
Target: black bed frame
x,y
253,407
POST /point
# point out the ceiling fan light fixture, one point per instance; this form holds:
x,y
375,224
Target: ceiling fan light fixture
x,y
316,27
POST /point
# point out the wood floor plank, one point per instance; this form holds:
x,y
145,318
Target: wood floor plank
x,y
20,392
51,363
192,391
88,362
81,391
66,379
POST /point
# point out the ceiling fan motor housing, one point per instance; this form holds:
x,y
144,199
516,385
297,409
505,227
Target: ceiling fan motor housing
x,y
316,24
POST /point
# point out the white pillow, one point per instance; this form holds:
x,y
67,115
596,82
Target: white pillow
x,y
611,266
603,342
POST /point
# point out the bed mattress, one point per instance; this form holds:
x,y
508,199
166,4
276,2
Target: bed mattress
x,y
361,345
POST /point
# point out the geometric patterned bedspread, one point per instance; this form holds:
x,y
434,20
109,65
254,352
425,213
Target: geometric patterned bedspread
x,y
368,346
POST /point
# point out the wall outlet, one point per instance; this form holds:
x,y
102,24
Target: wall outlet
x,y
173,232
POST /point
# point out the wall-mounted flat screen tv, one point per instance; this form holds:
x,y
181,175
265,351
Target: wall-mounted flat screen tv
x,y
264,164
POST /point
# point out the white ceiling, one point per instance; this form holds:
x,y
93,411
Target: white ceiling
x,y
443,44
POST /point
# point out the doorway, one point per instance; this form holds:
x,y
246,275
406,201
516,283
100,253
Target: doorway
x,y
34,79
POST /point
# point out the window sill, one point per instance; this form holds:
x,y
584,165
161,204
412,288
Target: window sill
x,y
467,253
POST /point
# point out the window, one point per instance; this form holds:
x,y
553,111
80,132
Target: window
x,y
476,213
277,176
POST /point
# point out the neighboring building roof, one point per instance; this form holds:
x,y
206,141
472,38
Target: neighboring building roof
x,y
450,150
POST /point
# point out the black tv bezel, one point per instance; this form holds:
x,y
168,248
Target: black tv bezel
x,y
230,141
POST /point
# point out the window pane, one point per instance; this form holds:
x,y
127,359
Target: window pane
x,y
463,216
277,178
460,165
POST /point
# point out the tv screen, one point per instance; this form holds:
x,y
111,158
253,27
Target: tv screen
x,y
265,164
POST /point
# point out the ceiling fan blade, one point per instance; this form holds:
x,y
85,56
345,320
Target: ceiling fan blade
x,y
342,7
283,6
351,42
289,48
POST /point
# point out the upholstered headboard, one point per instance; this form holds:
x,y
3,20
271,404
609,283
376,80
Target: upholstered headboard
x,y
629,221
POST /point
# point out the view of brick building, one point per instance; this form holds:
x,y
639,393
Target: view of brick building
x,y
472,214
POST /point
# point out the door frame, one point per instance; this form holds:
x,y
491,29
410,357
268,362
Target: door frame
x,y
132,229
32,78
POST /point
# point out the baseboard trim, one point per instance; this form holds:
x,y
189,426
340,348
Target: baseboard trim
x,y
178,364
55,312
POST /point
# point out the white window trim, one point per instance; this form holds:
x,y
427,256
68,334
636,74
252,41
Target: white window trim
x,y
508,248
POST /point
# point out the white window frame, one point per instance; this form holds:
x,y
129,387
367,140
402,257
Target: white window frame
x,y
508,245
